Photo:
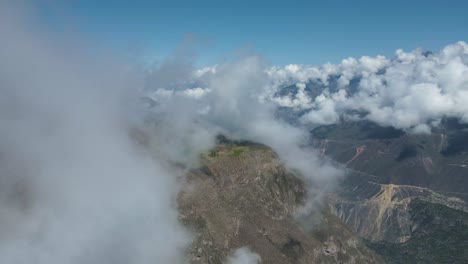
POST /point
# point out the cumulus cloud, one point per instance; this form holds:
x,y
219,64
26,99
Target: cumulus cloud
x,y
412,91
205,71
196,93
244,256
325,111
299,101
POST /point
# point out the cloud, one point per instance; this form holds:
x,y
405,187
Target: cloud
x,y
298,102
205,71
89,174
244,256
411,91
325,111
196,93
233,107
75,186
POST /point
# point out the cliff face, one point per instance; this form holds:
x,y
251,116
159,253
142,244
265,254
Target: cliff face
x,y
242,196
439,234
384,215
405,224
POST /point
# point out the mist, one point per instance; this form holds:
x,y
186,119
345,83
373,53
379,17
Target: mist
x,y
89,173
244,256
75,187
231,102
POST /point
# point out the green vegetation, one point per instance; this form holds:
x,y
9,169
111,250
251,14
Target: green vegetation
x,y
237,151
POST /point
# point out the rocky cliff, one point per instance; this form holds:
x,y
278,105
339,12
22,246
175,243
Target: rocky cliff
x,y
241,195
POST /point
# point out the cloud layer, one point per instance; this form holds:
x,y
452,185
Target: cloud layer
x,y
412,91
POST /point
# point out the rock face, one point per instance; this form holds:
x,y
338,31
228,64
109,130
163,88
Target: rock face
x,y
381,212
439,234
382,217
405,224
242,196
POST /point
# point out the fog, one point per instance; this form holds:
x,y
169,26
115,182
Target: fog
x,y
74,185
244,256
87,168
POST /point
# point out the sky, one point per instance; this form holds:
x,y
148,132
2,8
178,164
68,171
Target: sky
x,y
284,32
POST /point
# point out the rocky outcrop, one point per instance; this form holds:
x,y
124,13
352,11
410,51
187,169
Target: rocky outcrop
x,y
243,196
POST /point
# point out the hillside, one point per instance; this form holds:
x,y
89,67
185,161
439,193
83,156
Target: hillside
x,y
241,195
405,194
437,161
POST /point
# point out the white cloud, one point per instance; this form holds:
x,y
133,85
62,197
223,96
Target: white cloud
x,y
196,93
244,256
205,71
325,109
299,101
408,92
233,107
75,184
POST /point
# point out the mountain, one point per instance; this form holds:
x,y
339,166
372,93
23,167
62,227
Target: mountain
x,y
437,161
241,195
403,200
405,194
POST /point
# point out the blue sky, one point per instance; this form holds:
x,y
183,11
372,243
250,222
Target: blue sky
x,y
304,32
